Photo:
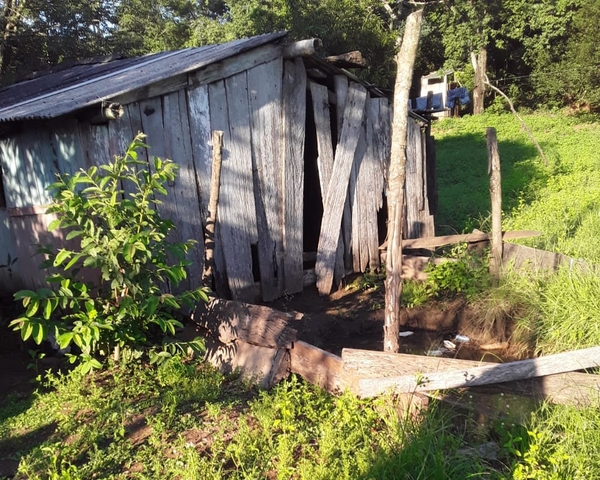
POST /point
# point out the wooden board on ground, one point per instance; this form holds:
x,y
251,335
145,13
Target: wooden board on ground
x,y
421,380
570,388
229,321
431,242
260,365
520,256
319,367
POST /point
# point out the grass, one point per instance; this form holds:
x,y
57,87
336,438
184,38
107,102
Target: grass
x,y
561,200
187,421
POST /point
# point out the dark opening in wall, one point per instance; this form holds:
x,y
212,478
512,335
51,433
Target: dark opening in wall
x,y
313,204
2,195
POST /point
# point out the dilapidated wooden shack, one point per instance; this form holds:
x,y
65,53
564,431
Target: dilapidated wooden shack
x,y
288,117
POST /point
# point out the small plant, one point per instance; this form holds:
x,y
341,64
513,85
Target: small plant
x,y
9,263
464,274
124,242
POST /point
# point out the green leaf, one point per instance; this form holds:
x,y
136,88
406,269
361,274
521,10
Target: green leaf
x,y
73,233
39,333
54,224
47,309
27,329
61,257
64,339
33,307
21,294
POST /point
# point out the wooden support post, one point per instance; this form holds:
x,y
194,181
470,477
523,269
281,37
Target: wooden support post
x,y
393,284
496,194
209,231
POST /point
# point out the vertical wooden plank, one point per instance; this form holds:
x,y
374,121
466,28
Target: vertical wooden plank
x,y
374,183
341,92
9,280
294,104
385,138
67,146
266,105
427,220
12,175
98,153
229,112
334,205
219,120
182,204
414,180
320,100
357,195
199,115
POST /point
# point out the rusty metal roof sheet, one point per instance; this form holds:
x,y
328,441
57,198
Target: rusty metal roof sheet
x,y
80,86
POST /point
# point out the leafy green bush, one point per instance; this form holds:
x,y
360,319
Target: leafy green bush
x,y
124,242
464,273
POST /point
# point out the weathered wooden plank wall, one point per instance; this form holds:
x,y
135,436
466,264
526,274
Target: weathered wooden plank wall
x,y
294,111
265,94
262,110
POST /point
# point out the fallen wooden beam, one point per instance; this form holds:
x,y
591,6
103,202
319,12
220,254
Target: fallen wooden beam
x,y
469,375
432,242
348,60
229,320
319,367
260,365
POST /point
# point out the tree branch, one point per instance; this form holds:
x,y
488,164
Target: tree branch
x,y
512,108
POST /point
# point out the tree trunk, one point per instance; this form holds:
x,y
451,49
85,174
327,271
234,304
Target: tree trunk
x,y
480,67
405,60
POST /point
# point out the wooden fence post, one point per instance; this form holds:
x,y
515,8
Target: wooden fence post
x,y
209,231
496,194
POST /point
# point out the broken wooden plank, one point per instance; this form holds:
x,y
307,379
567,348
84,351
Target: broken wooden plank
x,y
440,241
265,93
256,324
319,367
480,375
336,194
341,93
259,365
294,111
320,100
570,388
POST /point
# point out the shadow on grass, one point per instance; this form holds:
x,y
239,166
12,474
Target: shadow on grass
x,y
463,180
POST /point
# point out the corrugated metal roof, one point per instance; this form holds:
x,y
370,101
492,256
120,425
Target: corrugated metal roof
x,y
65,91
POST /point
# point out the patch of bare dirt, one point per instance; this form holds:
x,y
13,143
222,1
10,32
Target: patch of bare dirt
x,y
353,318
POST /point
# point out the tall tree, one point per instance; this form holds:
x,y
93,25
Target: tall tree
x,y
405,60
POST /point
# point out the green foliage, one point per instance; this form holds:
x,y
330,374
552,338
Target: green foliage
x,y
186,421
561,442
463,273
123,241
342,25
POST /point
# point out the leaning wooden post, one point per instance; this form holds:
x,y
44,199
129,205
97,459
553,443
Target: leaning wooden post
x,y
209,231
405,60
496,194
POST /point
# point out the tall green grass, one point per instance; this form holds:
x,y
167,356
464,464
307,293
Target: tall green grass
x,y
561,199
